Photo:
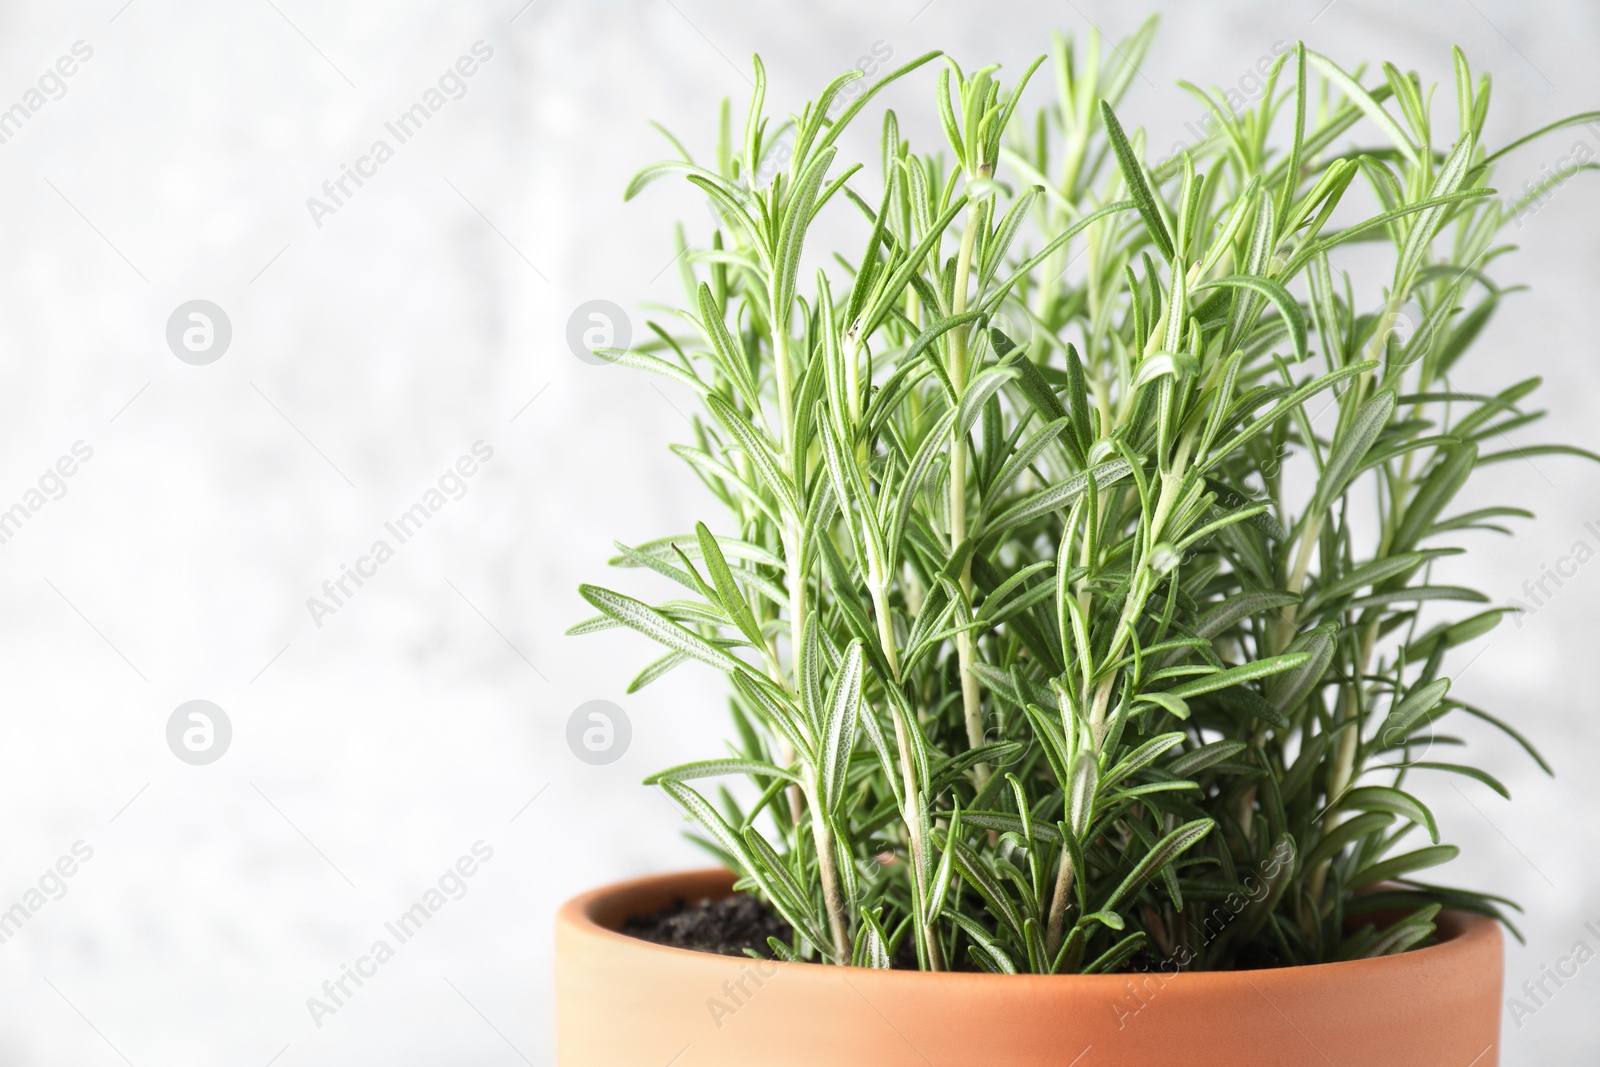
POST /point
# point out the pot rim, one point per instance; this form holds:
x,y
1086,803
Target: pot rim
x,y
1459,931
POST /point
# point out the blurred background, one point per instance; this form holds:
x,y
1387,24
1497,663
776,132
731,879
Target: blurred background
x,y
389,328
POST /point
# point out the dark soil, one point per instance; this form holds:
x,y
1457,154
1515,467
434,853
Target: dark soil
x,y
726,927
730,925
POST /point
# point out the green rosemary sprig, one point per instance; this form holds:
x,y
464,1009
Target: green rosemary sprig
x,y
1080,533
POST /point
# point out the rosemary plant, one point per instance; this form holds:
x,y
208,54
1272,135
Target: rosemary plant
x,y
1040,660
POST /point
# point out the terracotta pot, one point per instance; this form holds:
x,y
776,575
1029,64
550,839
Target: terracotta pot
x,y
622,1002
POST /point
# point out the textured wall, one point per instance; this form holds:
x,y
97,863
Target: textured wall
x,y
375,341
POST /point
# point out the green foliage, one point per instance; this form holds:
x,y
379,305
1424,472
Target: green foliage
x,y
1040,659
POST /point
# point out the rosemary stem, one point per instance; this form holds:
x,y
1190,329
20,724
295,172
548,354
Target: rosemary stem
x,y
972,710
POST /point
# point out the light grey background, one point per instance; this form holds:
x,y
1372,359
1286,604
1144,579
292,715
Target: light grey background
x,y
430,313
